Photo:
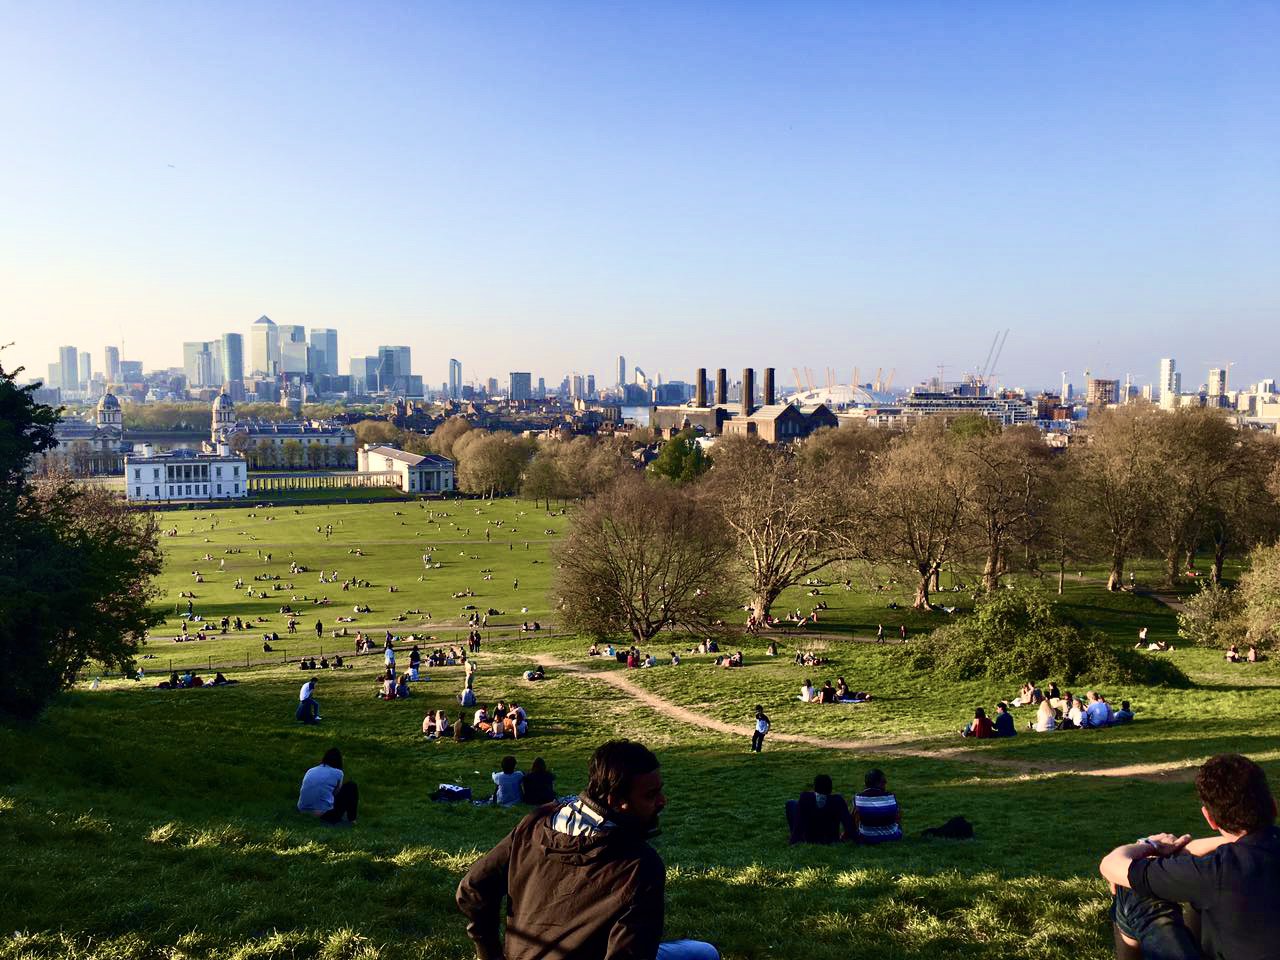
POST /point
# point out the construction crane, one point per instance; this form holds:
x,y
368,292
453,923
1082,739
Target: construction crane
x,y
982,372
990,376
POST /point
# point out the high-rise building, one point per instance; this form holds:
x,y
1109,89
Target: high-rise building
x,y
112,365
1100,393
364,375
264,346
69,367
521,386
622,371
130,371
542,388
455,379
492,387
324,351
1217,382
591,385
394,369
54,380
1170,383
294,358
576,386
232,373
86,369
198,364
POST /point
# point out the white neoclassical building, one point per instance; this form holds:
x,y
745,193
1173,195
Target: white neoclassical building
x,y
418,473
185,475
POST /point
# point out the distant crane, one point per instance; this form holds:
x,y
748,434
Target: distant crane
x,y
990,373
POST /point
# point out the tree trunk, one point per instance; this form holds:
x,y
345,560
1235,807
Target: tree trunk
x,y
922,592
762,602
990,572
1062,574
1171,565
1116,577
1219,558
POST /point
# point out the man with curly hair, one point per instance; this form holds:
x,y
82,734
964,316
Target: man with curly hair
x,y
1230,882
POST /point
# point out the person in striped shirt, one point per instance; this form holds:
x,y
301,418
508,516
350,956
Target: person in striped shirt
x,y
876,813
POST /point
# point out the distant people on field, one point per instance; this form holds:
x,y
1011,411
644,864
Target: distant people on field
x,y
980,726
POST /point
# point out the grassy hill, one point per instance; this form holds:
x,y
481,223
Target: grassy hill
x,y
137,822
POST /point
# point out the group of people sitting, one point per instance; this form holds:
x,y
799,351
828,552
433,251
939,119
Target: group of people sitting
x,y
324,663
512,785
191,679
393,686
807,658
1053,712
839,693
1251,655
822,816
506,721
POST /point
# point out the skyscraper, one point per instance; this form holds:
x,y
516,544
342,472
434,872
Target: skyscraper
x,y
69,364
591,385
233,365
1170,381
455,379
622,371
1217,382
293,349
521,386
264,344
394,369
112,365
86,369
197,363
324,351
364,374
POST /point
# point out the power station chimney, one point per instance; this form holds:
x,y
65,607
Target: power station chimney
x,y
748,390
722,387
769,397
700,388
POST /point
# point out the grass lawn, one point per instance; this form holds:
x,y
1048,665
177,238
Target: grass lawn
x,y
140,823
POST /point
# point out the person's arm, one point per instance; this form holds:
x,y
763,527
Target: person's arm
x,y
637,931
480,896
1115,865
848,821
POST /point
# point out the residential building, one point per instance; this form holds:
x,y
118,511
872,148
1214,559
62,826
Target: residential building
x,y
521,386
1100,393
1170,383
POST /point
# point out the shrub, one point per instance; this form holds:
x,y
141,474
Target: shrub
x,y
1018,634
1211,618
1260,596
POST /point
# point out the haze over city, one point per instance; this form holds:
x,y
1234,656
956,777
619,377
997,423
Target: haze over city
x,y
544,186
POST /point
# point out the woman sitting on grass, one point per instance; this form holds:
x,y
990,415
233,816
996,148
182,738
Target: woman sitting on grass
x,y
1046,718
402,687
387,686
538,785
980,726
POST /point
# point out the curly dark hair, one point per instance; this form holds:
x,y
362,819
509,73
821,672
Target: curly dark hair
x,y
615,765
1235,792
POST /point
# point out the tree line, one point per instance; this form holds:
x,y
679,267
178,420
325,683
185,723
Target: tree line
x,y
966,496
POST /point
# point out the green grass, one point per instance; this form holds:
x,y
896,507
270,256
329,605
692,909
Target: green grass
x,y
140,823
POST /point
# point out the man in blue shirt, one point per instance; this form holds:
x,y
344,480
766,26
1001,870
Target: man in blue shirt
x,y
1098,712
1231,880
1004,721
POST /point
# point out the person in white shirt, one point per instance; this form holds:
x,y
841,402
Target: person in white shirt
x,y
308,709
806,692
324,793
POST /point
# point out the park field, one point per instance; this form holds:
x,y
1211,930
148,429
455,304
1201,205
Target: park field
x,y
137,822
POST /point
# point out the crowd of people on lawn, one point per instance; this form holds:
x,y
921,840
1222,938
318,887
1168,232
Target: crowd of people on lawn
x,y
1053,711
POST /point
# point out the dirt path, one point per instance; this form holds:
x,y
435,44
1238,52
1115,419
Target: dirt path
x,y
1176,770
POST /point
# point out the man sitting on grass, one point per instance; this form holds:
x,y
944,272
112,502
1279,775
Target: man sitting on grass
x,y
324,794
1232,880
308,709
876,812
819,816
1004,722
581,878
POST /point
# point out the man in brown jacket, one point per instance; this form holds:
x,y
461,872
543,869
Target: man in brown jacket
x,y
582,881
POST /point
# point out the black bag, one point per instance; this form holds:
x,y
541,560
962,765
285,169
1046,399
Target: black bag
x,y
957,828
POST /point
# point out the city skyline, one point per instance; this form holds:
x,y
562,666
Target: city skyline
x,y
678,183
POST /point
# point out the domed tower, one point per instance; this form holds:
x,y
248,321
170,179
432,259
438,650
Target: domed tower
x,y
224,416
109,415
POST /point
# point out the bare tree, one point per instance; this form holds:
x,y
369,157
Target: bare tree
x,y
1116,463
916,502
788,522
642,557
1245,510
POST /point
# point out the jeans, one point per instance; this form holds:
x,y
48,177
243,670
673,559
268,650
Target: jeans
x,y
1157,925
308,711
757,741
687,950
345,803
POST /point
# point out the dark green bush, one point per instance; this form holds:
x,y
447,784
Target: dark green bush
x,y
1019,635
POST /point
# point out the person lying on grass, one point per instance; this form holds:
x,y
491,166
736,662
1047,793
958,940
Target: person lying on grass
x,y
325,795
819,816
1230,881
582,879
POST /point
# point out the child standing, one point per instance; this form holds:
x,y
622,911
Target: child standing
x,y
762,727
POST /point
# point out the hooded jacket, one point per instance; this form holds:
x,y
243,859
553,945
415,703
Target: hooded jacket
x,y
581,887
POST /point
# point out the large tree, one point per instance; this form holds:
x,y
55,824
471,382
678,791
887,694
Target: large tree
x,y
76,567
916,497
787,517
1245,509
641,557
1116,463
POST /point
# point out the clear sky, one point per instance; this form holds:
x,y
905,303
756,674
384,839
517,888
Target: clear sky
x,y
542,185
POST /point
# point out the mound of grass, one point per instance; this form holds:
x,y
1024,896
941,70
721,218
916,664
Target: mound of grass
x,y
1019,634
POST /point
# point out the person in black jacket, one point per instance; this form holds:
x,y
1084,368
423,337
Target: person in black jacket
x,y
538,786
581,879
819,816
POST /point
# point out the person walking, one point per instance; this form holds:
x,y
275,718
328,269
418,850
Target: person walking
x,y
762,727
879,633
580,878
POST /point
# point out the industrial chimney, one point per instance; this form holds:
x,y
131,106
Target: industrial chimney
x,y
748,390
769,398
722,387
700,388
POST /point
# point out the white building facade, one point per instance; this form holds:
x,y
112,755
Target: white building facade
x,y
418,473
185,475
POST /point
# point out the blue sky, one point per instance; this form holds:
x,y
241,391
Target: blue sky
x,y
541,185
